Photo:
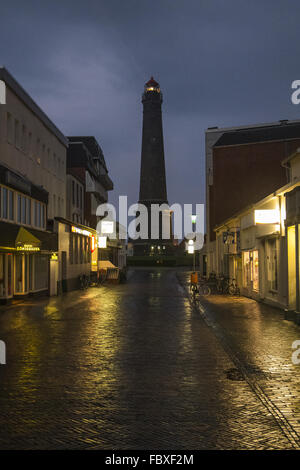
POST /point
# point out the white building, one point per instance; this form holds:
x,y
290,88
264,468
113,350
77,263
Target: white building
x,y
31,144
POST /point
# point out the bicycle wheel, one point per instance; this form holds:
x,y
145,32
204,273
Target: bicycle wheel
x,y
205,290
231,289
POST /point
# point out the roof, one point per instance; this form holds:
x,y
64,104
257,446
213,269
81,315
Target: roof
x,y
12,83
284,130
152,82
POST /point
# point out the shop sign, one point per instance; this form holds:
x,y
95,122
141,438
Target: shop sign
x,y
81,231
27,247
102,242
267,216
107,226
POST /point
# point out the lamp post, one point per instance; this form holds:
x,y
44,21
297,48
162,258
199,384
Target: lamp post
x,y
194,217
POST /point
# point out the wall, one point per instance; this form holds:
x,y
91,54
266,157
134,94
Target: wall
x,y
33,151
244,174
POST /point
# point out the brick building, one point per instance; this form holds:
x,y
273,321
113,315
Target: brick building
x,y
243,165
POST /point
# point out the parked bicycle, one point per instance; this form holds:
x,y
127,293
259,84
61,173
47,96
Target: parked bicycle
x,y
84,281
233,288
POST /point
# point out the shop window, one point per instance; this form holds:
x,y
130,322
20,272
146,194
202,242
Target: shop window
x,y
255,270
2,287
272,270
81,249
19,274
75,249
291,240
41,272
251,270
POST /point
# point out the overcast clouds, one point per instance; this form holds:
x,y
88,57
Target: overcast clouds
x,y
219,63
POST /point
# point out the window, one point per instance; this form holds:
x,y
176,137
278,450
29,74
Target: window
x,y
24,139
77,195
43,216
19,209
37,214
73,192
43,161
10,129
81,249
37,151
80,197
4,203
71,248
28,211
10,205
17,133
30,143
23,210
54,205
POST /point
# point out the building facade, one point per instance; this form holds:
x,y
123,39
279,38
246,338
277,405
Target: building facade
x,y
32,145
26,247
243,165
33,192
85,161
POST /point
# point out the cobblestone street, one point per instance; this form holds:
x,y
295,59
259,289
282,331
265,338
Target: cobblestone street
x,y
136,366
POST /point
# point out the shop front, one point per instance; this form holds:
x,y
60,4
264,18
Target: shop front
x,y
24,261
293,248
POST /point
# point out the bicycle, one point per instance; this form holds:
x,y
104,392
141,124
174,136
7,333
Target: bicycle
x,y
84,281
233,288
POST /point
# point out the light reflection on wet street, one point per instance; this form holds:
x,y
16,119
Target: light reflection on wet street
x,y
130,366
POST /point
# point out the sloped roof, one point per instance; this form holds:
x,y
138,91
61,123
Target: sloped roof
x,y
282,131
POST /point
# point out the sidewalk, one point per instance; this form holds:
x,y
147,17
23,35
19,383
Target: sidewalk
x,y
259,341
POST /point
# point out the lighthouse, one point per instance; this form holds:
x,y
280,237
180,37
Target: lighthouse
x,y
153,187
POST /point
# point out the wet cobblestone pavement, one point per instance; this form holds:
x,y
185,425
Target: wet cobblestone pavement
x,y
259,341
135,366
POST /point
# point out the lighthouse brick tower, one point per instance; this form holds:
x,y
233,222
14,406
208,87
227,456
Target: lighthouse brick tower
x,y
153,188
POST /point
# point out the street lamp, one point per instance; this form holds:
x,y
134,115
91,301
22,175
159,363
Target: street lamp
x,y
194,217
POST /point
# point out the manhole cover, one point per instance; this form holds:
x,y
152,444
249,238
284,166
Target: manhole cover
x,y
234,374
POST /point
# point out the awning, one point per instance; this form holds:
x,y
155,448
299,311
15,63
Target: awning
x,y
18,238
106,264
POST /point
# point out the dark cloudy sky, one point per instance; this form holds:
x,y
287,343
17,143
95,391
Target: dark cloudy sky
x,y
219,63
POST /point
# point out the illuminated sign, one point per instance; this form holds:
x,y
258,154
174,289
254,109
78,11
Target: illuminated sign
x,y
26,247
93,244
107,226
81,231
267,216
102,242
